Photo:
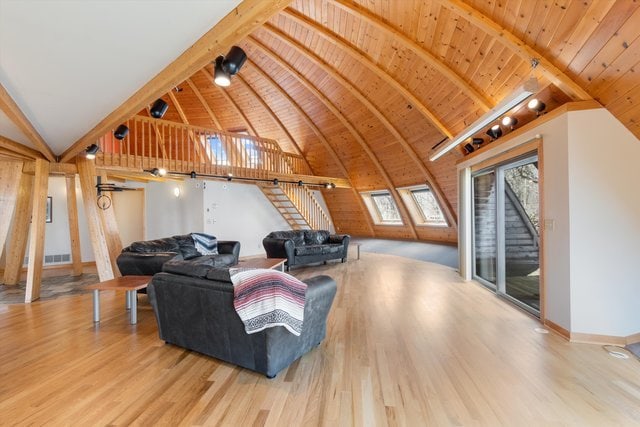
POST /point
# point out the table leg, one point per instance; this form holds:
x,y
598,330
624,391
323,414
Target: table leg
x,y
358,251
96,305
127,296
134,307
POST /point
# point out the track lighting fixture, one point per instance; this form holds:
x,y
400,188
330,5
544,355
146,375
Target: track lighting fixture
x,y
158,172
229,176
225,67
536,105
120,132
329,185
495,132
158,109
193,175
477,142
469,148
300,183
509,122
91,151
275,181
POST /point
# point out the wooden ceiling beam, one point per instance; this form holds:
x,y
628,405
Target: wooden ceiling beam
x,y
444,203
239,23
323,139
440,66
346,123
204,103
517,46
15,114
22,150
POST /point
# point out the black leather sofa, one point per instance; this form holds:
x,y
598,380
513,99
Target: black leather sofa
x,y
146,258
306,246
194,309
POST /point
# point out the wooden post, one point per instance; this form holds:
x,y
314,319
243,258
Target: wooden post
x,y
110,227
74,233
36,233
17,242
87,174
9,183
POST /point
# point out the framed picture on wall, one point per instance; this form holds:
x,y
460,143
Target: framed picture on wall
x,y
49,214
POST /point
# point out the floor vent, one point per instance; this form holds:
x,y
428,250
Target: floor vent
x,y
53,259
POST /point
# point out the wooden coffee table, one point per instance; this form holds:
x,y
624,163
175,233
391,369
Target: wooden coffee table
x,y
271,263
130,284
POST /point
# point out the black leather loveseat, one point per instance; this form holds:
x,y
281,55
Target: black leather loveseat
x,y
147,258
194,309
306,246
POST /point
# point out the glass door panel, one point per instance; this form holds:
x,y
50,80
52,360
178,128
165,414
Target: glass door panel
x,y
484,227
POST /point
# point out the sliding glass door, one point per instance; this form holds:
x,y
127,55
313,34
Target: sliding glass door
x,y
506,231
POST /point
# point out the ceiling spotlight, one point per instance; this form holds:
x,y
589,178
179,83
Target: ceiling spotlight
x,y
328,186
300,183
495,132
158,109
91,151
162,171
234,60
158,172
536,105
509,121
477,141
120,132
220,76
229,176
469,148
193,175
275,181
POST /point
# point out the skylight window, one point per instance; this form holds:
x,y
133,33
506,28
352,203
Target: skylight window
x,y
382,208
423,206
217,149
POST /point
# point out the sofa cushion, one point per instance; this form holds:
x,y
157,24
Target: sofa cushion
x,y
296,236
197,267
332,249
220,274
316,237
205,244
308,250
187,247
151,246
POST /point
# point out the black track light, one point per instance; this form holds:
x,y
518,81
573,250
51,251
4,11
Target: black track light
x,y
91,151
234,60
477,142
275,181
300,183
469,148
509,122
495,132
193,175
220,75
229,176
121,131
158,172
536,105
158,109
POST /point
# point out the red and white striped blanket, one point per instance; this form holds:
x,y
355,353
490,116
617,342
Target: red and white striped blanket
x,y
266,298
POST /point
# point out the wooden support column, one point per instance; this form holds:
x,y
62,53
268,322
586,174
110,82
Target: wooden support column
x,y
36,233
9,183
87,174
110,227
74,233
17,241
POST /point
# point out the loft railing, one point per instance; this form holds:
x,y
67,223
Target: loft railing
x,y
308,206
184,148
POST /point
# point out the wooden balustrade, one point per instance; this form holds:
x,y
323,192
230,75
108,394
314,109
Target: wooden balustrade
x,y
306,203
185,148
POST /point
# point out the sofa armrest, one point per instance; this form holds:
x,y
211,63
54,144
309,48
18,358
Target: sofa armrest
x,y
339,238
279,248
143,264
229,247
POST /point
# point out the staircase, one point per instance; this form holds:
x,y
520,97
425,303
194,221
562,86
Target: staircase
x,y
297,205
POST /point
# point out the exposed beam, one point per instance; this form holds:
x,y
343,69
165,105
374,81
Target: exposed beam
x,y
482,101
323,140
444,203
12,155
239,23
15,114
347,124
204,103
37,231
18,148
17,242
54,168
517,46
74,233
10,172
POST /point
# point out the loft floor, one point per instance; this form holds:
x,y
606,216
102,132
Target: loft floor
x,y
408,343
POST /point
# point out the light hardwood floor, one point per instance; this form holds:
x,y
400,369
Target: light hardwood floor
x,y
408,343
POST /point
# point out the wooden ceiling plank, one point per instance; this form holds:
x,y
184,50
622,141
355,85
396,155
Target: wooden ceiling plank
x,y
550,71
198,146
204,103
15,114
240,22
20,149
356,135
446,206
482,101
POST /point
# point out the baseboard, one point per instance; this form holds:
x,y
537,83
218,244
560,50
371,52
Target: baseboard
x,y
604,339
56,267
557,329
632,339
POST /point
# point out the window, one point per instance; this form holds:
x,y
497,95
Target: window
x,y
217,148
253,154
382,208
423,206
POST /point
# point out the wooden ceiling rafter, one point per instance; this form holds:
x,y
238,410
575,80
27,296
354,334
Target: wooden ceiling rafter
x,y
517,46
323,139
439,65
406,146
346,123
15,114
19,149
363,59
204,104
240,22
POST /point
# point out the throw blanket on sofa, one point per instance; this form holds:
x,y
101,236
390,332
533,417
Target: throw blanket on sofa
x,y
267,298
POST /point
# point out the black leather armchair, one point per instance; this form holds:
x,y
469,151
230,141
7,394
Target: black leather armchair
x,y
306,246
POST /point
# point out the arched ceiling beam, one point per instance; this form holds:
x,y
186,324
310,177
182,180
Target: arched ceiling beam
x,y
17,148
484,103
365,60
15,114
204,104
240,22
406,219
230,100
444,203
517,46
273,115
323,139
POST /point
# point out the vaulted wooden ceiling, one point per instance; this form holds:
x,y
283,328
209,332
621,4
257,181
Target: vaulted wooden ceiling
x,y
365,89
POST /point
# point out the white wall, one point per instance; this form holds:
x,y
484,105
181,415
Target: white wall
x,y
168,215
605,224
235,211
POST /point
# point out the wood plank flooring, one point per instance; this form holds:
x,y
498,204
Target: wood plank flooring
x,y
408,343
